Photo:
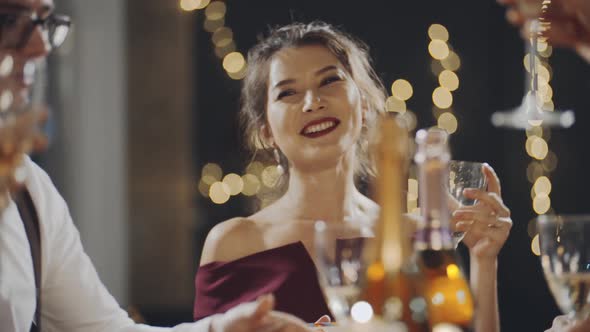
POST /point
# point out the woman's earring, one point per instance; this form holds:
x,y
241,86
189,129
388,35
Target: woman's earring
x,y
280,169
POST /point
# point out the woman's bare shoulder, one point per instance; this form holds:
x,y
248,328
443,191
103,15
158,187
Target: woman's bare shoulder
x,y
232,239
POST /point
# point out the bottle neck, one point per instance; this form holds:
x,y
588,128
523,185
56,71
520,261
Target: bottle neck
x,y
434,232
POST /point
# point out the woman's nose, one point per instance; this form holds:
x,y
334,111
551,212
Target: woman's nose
x,y
313,102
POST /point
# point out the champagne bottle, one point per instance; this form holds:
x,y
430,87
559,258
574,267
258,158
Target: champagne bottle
x,y
392,278
445,290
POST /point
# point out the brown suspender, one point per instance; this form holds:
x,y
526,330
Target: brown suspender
x,y
28,214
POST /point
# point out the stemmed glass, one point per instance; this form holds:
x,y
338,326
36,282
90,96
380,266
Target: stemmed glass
x,y
530,112
353,284
565,256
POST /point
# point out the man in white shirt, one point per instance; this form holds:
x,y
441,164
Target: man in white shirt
x,y
70,295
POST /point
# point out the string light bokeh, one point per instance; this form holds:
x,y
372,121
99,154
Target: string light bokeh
x,y
257,179
543,160
444,65
233,62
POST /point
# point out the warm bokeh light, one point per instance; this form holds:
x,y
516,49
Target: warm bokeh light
x,y
6,65
240,74
211,26
541,204
442,97
6,100
544,73
542,46
548,106
448,122
255,168
219,192
216,10
361,312
412,189
251,185
190,5
446,327
547,52
234,182
451,300
270,176
412,196
234,62
545,93
536,147
453,271
222,37
402,89
542,186
449,80
438,31
527,62
535,246
539,148
438,49
376,272
452,62
212,170
395,105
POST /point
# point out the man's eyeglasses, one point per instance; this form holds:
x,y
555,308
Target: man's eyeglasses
x,y
16,29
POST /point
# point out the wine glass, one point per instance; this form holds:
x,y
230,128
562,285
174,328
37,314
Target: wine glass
x,y
354,284
463,175
565,257
531,112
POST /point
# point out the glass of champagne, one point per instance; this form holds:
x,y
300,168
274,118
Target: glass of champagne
x,y
463,175
352,283
565,256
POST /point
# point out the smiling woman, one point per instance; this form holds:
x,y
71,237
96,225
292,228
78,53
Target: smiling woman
x,y
310,98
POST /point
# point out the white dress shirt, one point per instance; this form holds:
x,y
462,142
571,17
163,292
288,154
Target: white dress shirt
x,y
73,297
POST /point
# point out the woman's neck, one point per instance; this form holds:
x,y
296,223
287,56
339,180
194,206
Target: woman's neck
x,y
327,194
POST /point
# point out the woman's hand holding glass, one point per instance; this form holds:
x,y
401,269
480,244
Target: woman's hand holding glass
x,y
486,224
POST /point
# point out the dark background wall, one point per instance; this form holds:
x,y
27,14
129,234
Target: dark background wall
x,y
491,79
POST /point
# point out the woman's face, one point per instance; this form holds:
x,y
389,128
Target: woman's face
x,y
314,108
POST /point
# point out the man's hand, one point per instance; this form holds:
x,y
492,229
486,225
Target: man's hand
x,y
257,317
565,324
569,21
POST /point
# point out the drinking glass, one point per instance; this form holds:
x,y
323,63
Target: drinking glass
x,y
463,175
531,112
345,255
565,256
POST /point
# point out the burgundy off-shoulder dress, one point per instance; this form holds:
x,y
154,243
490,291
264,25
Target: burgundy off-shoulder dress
x,y
288,272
